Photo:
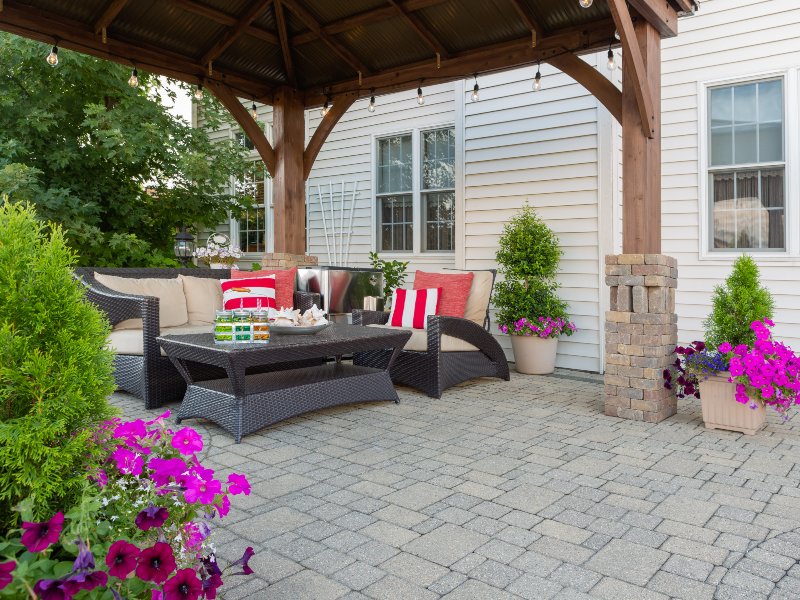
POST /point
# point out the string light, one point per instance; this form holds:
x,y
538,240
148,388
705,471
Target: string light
x,y
585,3
612,63
475,89
198,92
537,80
254,111
420,97
133,81
371,105
52,58
326,107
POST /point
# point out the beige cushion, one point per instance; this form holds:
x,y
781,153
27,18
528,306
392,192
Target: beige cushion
x,y
131,341
172,310
203,298
418,342
479,294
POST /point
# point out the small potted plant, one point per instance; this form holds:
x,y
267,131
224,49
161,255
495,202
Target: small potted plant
x,y
218,253
528,306
394,275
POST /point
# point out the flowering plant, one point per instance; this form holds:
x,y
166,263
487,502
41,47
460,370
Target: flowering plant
x,y
217,253
146,513
694,363
543,327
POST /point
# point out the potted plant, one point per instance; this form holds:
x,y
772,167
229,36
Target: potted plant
x,y
218,253
528,306
394,275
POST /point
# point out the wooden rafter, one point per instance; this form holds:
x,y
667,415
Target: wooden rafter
x,y
527,16
659,14
256,9
323,131
590,78
308,19
286,49
223,18
109,14
248,124
638,72
686,6
420,29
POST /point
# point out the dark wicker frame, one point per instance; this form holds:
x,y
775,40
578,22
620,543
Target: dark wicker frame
x,y
152,377
434,371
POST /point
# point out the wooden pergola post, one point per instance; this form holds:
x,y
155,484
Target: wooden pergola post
x,y
288,191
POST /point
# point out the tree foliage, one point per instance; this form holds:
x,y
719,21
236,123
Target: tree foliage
x,y
105,160
736,304
55,375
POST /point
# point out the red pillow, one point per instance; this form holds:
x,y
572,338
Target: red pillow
x,y
455,290
410,308
284,283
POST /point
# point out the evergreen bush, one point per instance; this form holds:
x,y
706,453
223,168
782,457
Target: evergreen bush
x,y
736,304
55,375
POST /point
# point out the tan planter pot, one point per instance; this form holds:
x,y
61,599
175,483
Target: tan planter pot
x,y
722,411
534,355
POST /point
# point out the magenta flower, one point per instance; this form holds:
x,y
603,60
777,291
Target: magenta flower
x,y
224,507
724,347
199,489
121,559
183,586
152,516
187,441
40,536
128,462
6,568
131,429
165,468
51,589
159,419
84,581
156,563
238,484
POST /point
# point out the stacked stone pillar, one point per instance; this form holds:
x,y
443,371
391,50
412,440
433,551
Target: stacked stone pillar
x,y
641,334
285,260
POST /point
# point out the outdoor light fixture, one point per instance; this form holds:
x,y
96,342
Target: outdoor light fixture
x,y
537,80
612,63
585,3
52,58
371,106
475,89
134,78
326,107
420,97
254,111
184,246
198,92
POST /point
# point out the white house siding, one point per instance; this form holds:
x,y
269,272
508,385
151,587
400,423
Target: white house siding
x,y
726,40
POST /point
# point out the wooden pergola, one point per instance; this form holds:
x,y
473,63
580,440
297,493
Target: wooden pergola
x,y
296,54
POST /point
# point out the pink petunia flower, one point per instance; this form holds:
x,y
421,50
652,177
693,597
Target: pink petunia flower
x,y
725,347
40,536
128,461
201,490
187,441
165,468
238,484
122,558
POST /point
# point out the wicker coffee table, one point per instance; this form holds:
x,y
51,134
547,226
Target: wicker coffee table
x,y
244,403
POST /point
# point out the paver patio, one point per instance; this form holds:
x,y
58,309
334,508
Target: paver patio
x,y
519,489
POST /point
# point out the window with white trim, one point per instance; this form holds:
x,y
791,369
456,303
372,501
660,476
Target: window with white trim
x,y
747,166
252,226
401,195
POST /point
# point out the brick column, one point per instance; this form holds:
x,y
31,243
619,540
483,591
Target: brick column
x,y
284,260
641,334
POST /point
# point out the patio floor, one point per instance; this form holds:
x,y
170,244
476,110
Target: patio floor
x,y
507,490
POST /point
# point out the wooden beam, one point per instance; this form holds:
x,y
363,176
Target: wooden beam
x,y
590,78
420,29
635,68
288,191
659,13
249,125
324,129
223,18
256,9
524,12
687,6
286,49
109,14
308,19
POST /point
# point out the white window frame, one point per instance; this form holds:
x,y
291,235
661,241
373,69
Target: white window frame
x,y
416,192
791,125
269,211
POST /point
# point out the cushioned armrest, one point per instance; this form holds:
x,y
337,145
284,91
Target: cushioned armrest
x,y
118,306
305,300
465,330
370,317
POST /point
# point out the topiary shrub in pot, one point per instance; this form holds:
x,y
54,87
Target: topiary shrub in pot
x,y
527,302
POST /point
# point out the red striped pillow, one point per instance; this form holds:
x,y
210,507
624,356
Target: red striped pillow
x,y
255,292
410,308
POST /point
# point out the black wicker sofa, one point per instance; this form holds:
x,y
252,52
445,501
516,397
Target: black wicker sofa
x,y
146,372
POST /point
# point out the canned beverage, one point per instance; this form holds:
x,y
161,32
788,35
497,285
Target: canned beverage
x,y
260,327
223,327
242,326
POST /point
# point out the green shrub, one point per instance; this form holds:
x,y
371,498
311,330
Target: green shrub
x,y
55,375
394,274
528,256
736,304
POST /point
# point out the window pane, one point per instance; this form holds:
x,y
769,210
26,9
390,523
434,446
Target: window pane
x,y
438,159
744,132
395,213
439,211
745,146
770,101
770,142
394,164
748,209
721,146
721,107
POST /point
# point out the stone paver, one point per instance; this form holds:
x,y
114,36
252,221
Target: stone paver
x,y
519,489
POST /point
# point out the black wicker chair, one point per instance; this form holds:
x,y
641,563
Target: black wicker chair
x,y
434,371
152,376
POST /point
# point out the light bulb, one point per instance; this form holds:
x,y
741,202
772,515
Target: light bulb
x,y
52,58
616,34
612,63
134,78
371,106
420,97
475,89
537,82
198,92
585,3
325,108
254,111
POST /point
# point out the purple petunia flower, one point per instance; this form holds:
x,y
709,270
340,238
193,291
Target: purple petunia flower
x,y
152,516
238,484
84,581
243,562
212,579
85,559
51,589
156,563
183,586
6,569
40,536
121,559
187,441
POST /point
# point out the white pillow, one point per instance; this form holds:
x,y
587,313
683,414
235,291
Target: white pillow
x,y
410,308
203,298
172,310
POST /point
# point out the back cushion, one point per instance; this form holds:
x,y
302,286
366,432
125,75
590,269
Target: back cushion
x,y
455,290
203,298
410,308
479,296
284,283
172,310
254,292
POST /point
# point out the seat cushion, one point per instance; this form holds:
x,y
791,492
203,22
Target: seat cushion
x,y
203,298
131,341
172,311
455,290
284,283
418,342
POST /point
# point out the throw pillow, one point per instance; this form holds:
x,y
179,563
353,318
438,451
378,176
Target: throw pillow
x,y
203,298
254,292
410,308
172,311
284,283
455,290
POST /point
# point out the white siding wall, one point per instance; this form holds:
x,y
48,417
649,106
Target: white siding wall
x,y
726,40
